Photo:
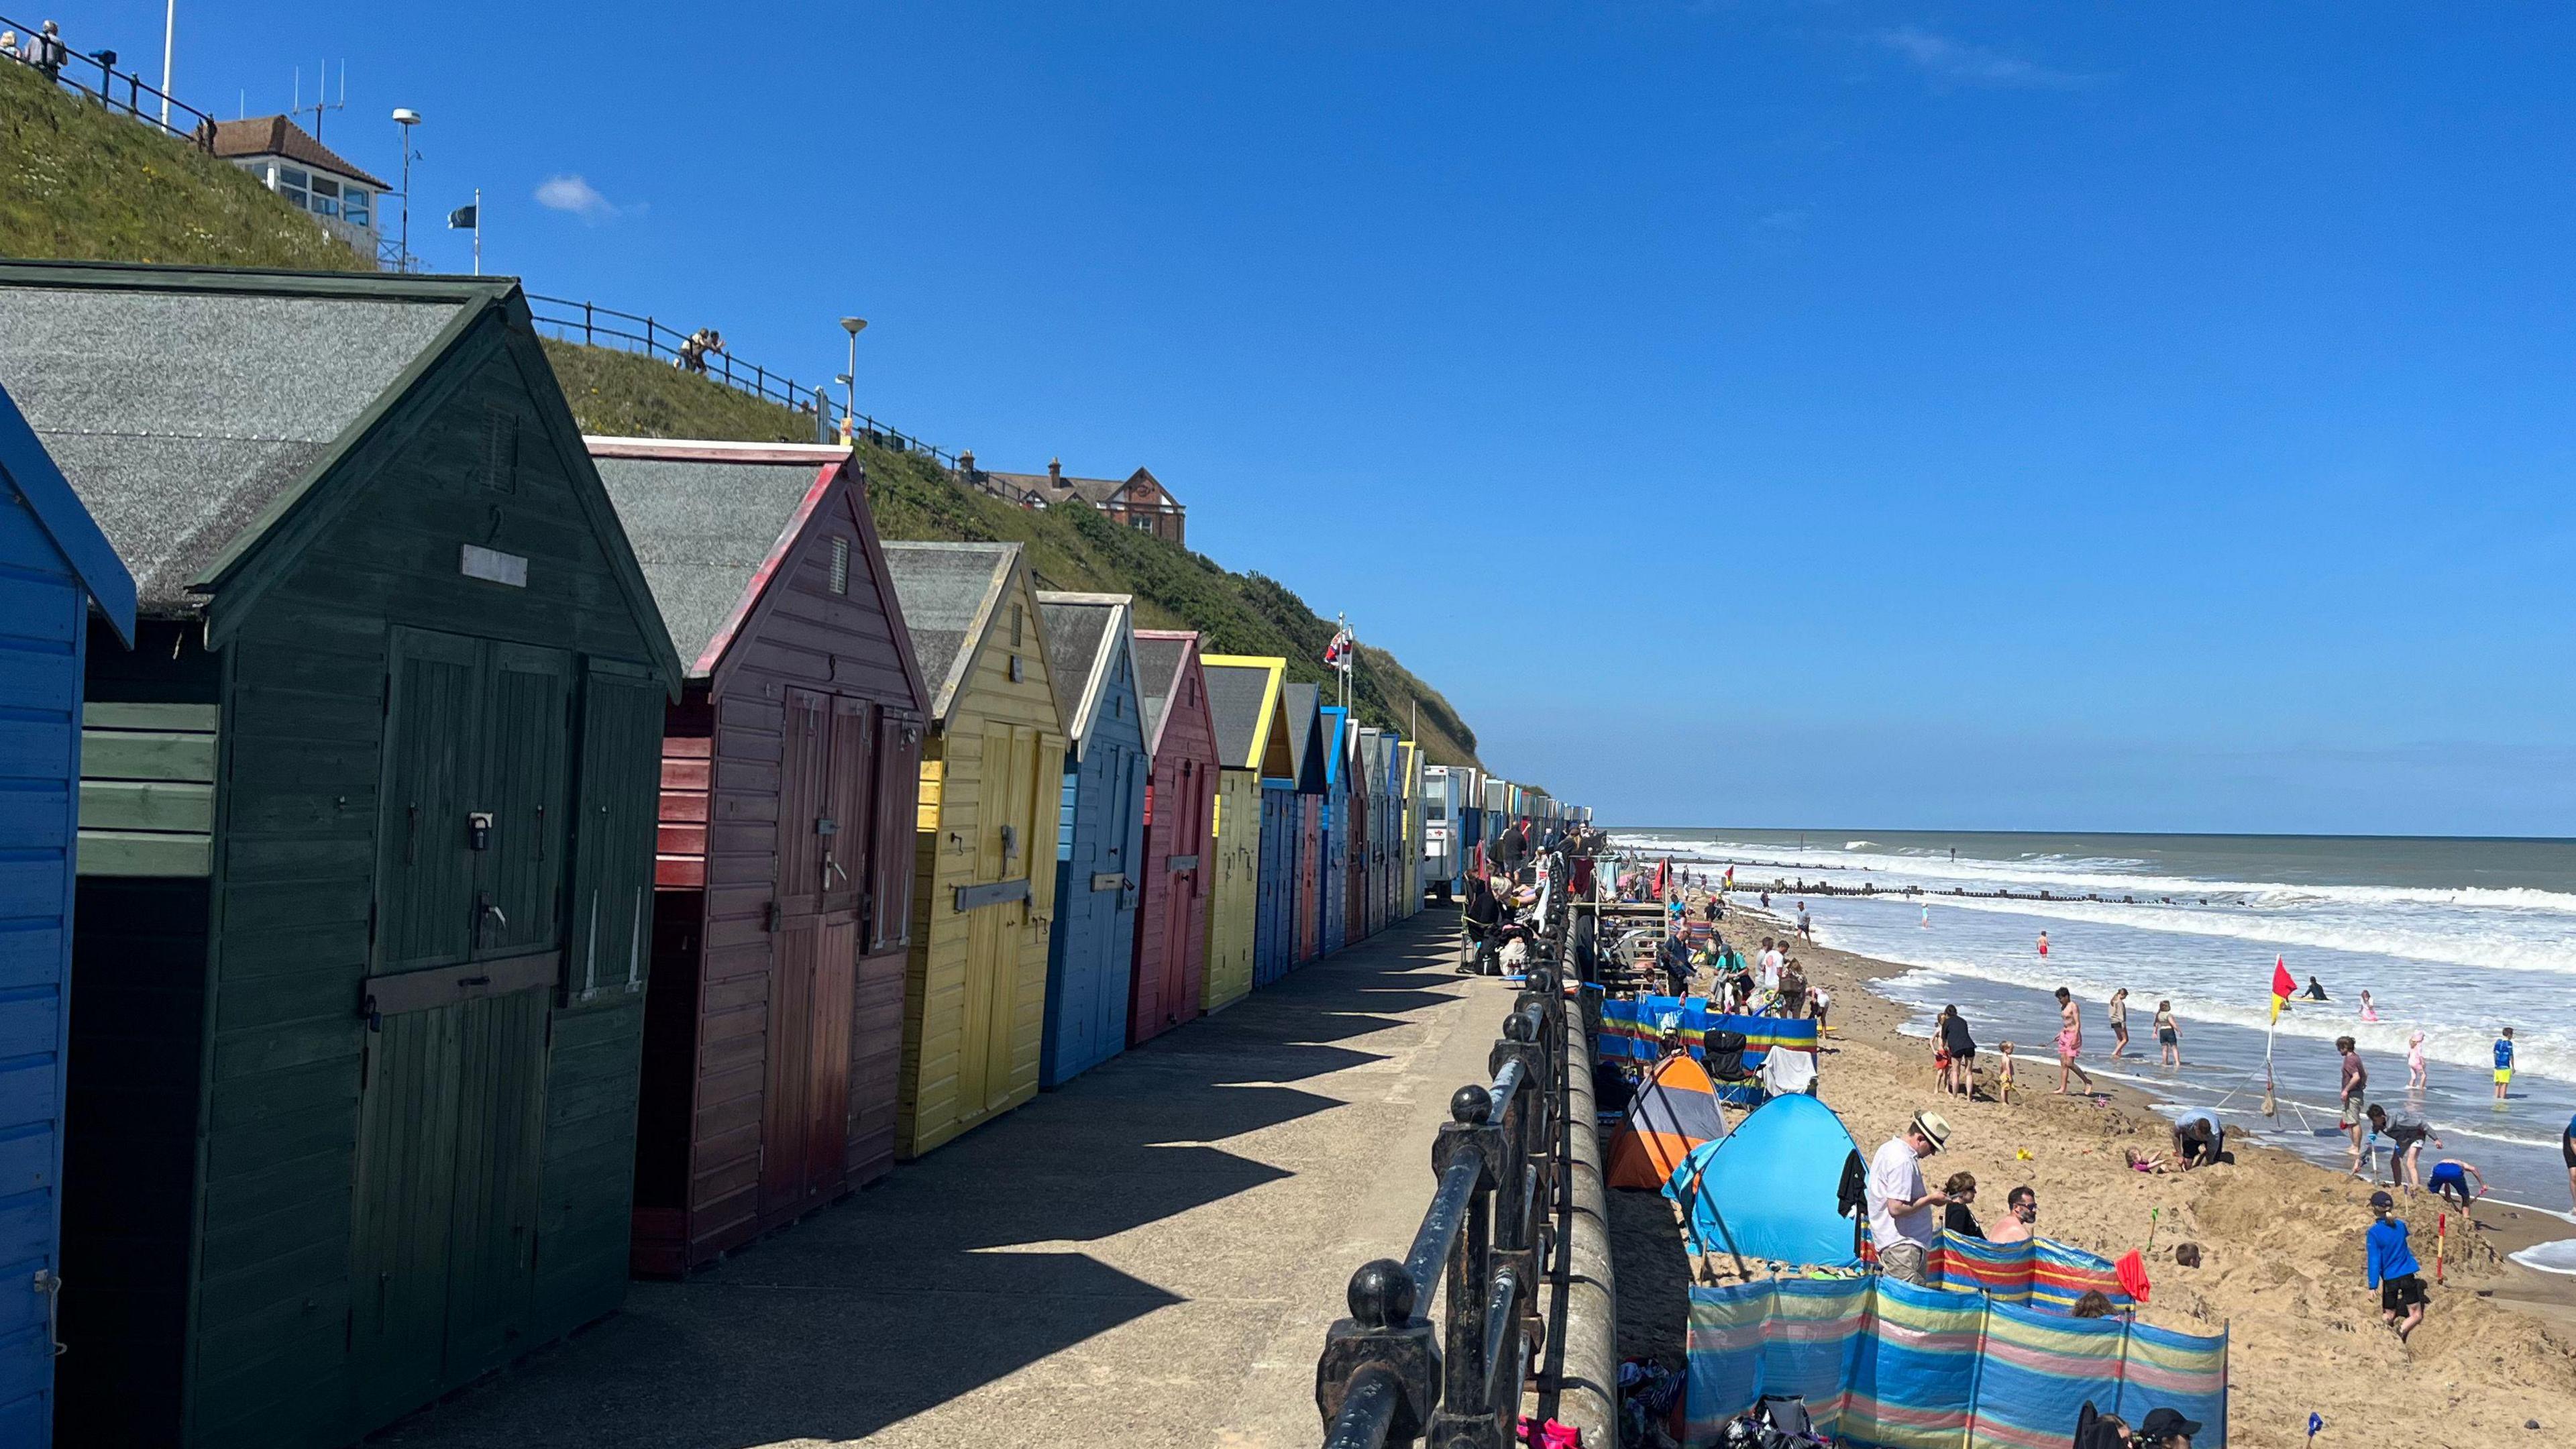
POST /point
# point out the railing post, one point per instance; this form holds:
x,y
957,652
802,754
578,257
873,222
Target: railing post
x,y
1381,1364
1466,1417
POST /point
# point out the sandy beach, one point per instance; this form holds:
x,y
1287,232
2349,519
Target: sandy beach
x,y
2280,1238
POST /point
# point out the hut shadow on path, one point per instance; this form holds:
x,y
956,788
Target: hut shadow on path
x,y
962,1268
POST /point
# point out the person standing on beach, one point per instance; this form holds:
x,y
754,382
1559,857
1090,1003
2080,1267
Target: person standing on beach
x,y
2119,1023
1958,1053
2391,1268
2415,1061
2168,1035
1900,1206
2070,1037
2406,1137
1806,928
2504,1062
2356,1081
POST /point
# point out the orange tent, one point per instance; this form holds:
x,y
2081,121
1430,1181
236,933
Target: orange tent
x,y
1675,1110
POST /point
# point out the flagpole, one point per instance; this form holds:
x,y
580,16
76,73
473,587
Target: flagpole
x,y
478,231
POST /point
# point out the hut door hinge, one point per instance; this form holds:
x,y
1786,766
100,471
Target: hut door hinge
x,y
769,918
50,1283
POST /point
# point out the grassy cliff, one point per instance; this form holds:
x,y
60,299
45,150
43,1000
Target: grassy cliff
x,y
79,181
1070,548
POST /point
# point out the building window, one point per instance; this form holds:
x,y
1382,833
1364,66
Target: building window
x,y
840,565
357,207
295,186
1144,521
326,196
1015,629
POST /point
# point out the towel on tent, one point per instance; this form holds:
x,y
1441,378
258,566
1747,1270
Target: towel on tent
x,y
1788,1074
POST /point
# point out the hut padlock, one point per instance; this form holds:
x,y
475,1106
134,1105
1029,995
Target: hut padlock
x,y
478,830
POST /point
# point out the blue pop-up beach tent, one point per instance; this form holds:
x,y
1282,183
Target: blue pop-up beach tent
x,y
1771,1188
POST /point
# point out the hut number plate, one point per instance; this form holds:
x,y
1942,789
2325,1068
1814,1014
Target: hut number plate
x,y
494,565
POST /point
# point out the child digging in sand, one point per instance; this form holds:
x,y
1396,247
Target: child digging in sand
x,y
2392,1269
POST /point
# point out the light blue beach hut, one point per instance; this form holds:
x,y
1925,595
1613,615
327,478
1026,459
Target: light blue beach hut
x,y
1336,889
1100,831
56,568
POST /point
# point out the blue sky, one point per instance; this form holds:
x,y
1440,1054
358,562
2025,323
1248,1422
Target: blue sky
x,y
1955,416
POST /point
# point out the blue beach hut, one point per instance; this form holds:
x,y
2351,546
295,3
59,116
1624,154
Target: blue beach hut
x,y
1335,909
1100,831
55,567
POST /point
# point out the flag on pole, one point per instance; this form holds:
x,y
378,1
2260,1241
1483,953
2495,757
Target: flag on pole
x,y
463,218
1338,652
2283,987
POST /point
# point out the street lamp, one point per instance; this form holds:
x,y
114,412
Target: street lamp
x,y
850,379
406,118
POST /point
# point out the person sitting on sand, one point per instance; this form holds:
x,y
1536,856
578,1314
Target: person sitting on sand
x,y
2165,1428
2004,1072
2021,1209
2391,1268
2094,1304
1958,1217
2450,1179
2406,1137
2070,1040
2144,1161
2356,1081
2119,1023
2168,1035
1900,1206
2199,1140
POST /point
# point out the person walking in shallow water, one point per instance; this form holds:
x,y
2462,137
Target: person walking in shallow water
x,y
2119,1023
2070,1039
2356,1084
2168,1035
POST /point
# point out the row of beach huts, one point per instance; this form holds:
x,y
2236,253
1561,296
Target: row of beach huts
x,y
449,864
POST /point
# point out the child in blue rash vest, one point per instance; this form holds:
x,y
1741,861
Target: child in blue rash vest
x,y
2450,1179
2392,1268
2504,1062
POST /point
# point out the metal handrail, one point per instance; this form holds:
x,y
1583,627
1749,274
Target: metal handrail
x,y
200,131
1389,1374
594,326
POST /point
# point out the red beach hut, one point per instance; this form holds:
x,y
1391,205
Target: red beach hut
x,y
773,1022
1171,919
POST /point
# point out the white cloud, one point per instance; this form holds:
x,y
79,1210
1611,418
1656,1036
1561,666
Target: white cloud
x,y
571,193
1959,63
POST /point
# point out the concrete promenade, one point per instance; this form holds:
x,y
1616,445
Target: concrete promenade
x,y
1147,1257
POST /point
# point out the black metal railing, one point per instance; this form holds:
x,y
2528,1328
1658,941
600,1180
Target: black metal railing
x,y
121,91
1389,1375
597,326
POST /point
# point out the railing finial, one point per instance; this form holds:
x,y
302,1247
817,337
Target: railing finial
x,y
1381,1294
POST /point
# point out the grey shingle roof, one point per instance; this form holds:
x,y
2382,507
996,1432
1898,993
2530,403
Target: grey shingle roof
x,y
1300,701
178,416
1158,672
701,531
1082,636
1236,693
947,591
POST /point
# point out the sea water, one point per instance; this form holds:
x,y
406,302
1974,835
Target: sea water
x,y
2455,938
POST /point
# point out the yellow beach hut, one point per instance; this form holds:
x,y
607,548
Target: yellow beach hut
x,y
1245,693
983,891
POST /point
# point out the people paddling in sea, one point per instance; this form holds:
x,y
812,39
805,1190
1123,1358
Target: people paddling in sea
x,y
2368,1011
2168,1035
2021,1210
2504,1062
2450,1179
2316,990
2356,1081
2043,945
2415,1061
2119,1023
2070,1040
2391,1268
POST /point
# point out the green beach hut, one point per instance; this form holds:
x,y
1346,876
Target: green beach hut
x,y
365,851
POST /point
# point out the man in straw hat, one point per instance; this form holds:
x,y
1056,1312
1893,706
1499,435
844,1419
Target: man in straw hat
x,y
1900,1205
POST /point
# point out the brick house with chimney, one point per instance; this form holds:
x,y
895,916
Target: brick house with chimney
x,y
1138,500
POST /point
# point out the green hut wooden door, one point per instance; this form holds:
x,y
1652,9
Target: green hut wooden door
x,y
471,859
